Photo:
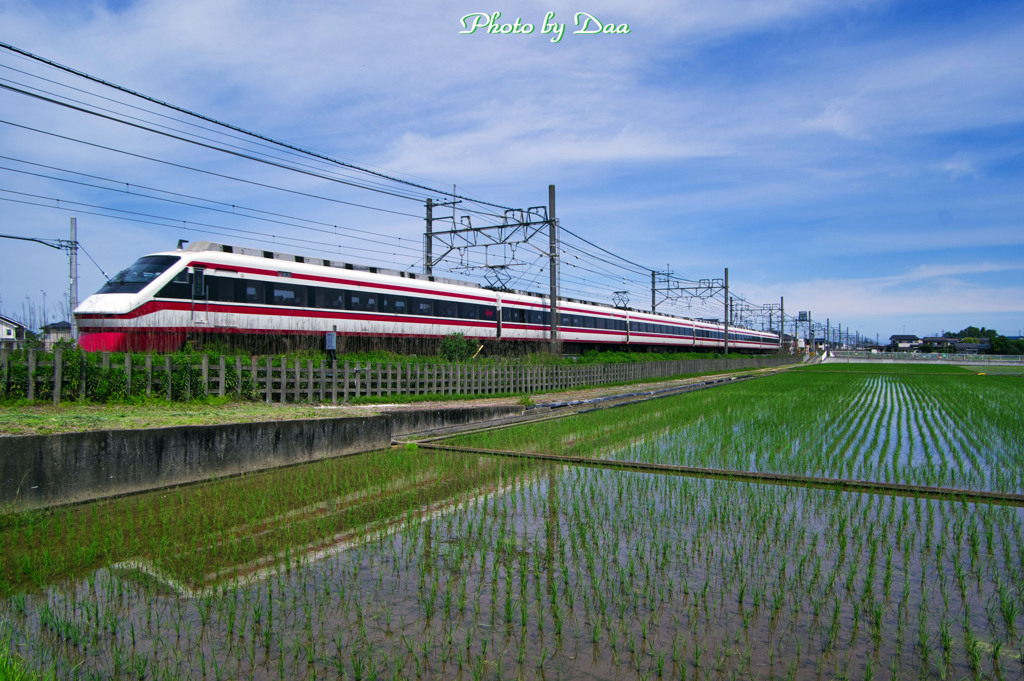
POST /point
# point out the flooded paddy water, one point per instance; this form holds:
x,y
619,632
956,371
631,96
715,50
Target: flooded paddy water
x,y
415,564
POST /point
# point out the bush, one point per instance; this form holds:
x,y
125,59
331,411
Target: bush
x,y
456,348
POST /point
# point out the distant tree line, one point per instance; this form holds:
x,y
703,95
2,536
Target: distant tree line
x,y
998,344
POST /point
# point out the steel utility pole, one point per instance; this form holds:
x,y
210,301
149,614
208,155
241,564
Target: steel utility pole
x,y
553,264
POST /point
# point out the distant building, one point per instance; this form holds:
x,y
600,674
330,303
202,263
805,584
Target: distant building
x,y
940,343
54,332
971,348
12,333
904,342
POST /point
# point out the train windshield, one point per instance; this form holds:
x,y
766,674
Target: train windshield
x,y
142,272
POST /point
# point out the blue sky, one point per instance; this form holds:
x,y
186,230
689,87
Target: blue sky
x,y
862,158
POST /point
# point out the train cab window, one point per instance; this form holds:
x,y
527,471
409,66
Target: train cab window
x,y
144,270
446,308
179,288
221,289
288,294
330,299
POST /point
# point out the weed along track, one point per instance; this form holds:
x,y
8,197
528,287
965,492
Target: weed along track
x,y
423,562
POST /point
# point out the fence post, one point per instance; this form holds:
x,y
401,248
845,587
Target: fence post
x,y
334,381
254,375
149,375
345,388
221,367
128,370
298,382
57,357
269,379
238,377
309,380
206,374
31,374
168,384
5,360
323,378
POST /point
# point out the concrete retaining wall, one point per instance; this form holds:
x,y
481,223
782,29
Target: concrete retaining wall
x,y
46,470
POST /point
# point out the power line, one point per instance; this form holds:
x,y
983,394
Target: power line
x,y
249,133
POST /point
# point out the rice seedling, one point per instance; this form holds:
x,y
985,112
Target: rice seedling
x,y
417,563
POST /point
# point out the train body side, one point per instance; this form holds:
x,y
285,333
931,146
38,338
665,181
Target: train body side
x,y
166,297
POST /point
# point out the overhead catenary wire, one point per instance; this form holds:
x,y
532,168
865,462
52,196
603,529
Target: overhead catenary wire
x,y
236,128
605,266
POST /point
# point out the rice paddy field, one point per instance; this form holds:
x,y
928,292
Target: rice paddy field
x,y
415,563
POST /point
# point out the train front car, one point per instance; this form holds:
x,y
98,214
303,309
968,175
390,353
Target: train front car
x,y
122,316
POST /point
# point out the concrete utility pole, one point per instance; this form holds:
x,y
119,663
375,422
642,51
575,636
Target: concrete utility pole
x,y
725,315
782,320
73,262
654,286
553,264
428,256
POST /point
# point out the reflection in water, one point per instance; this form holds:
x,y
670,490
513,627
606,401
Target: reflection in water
x,y
530,571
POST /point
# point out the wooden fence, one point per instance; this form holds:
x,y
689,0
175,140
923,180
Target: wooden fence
x,y
298,380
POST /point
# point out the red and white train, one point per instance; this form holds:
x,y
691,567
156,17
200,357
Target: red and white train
x,y
211,289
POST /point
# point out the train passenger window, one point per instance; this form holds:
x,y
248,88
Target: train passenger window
x,y
251,291
446,308
512,314
330,298
423,307
469,311
400,305
385,303
370,304
536,317
354,300
489,313
288,294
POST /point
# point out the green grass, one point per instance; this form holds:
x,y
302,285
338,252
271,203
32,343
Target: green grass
x,y
42,419
472,566
881,368
196,530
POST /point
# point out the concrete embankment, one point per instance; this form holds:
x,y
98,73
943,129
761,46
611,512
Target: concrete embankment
x,y
46,470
